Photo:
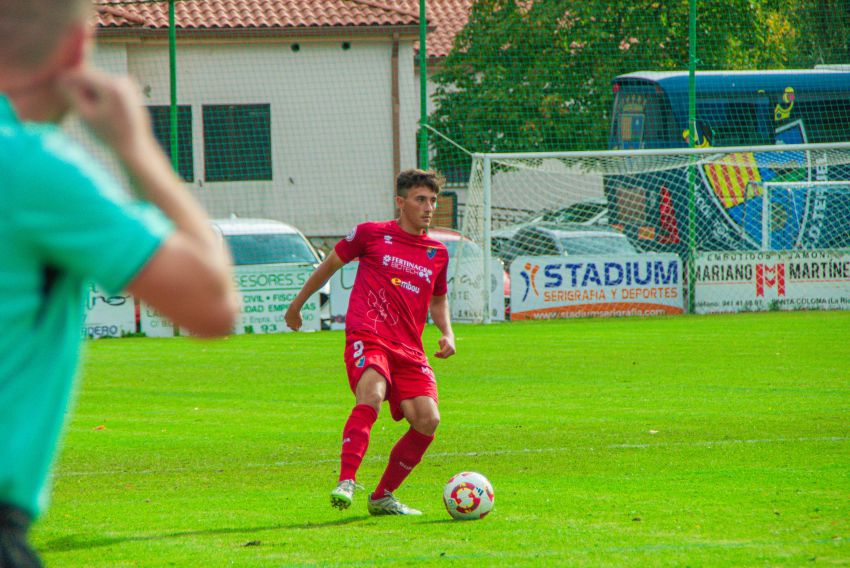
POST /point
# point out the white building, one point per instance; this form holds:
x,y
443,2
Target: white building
x,y
290,110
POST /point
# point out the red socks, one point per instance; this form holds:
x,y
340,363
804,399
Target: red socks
x,y
406,454
403,458
355,439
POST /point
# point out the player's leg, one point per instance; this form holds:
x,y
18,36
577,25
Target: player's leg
x,y
367,368
370,393
423,416
413,396
15,551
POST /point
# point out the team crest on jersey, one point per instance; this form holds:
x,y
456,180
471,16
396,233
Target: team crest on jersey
x,y
431,252
350,236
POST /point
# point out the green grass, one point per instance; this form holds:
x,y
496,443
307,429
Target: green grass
x,y
701,441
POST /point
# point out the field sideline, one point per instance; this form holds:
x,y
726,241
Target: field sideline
x,y
703,441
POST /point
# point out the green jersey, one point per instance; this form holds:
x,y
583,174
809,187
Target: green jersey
x,y
63,222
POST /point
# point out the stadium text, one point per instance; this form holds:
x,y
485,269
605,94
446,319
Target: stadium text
x,y
582,274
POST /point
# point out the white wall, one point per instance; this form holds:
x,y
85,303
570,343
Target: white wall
x,y
331,124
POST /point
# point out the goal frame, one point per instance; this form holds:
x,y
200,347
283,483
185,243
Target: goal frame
x,y
485,161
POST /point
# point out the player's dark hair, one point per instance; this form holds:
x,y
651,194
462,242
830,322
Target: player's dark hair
x,y
408,179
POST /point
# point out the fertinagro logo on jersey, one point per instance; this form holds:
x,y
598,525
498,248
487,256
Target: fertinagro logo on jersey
x,y
550,287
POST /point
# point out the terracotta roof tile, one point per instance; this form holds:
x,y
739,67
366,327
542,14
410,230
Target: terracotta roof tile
x,y
115,16
246,14
445,17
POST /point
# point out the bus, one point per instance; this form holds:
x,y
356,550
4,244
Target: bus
x,y
737,195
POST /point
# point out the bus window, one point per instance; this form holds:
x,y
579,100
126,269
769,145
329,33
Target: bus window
x,y
826,119
731,123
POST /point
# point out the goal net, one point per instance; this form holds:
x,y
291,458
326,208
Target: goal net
x,y
803,215
636,225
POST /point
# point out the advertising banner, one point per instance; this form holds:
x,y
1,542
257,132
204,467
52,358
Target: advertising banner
x,y
108,315
551,287
154,324
341,284
465,290
266,290
772,280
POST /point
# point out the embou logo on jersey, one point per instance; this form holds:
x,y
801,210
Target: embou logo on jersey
x,y
388,239
404,284
350,236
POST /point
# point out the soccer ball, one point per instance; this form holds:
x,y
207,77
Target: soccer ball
x,y
468,496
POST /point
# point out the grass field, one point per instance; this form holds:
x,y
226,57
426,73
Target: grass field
x,y
701,441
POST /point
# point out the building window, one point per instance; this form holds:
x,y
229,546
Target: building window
x,y
161,122
237,142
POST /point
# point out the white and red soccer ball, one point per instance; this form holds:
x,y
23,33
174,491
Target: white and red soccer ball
x,y
468,496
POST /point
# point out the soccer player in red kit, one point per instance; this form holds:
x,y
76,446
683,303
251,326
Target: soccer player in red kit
x,y
402,273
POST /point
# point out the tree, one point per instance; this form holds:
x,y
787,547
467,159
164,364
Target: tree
x,y
531,76
822,32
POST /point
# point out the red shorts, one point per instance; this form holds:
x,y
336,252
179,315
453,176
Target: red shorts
x,y
407,372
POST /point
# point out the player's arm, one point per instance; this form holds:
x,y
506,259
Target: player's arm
x,y
322,274
189,278
442,319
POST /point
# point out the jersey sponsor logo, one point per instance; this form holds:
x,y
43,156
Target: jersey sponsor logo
x,y
408,267
404,284
350,236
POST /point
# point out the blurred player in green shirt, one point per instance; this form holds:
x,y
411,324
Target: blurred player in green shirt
x,y
63,222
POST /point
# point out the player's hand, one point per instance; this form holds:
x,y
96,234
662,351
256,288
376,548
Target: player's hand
x,y
293,317
111,106
447,347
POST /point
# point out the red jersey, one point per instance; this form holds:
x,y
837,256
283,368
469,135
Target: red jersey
x,y
397,276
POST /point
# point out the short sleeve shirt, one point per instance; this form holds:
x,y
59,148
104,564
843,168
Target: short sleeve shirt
x,y
396,279
64,222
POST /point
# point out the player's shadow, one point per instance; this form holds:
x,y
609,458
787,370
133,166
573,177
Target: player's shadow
x,y
76,542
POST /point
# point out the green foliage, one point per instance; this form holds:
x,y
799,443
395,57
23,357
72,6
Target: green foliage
x,y
822,32
686,441
536,76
